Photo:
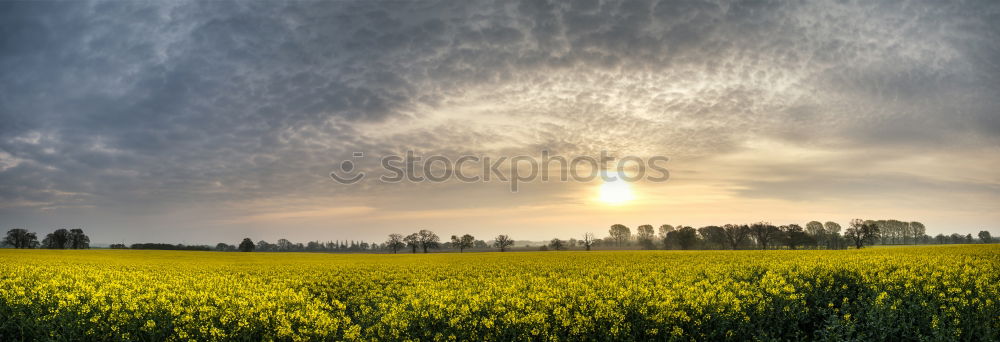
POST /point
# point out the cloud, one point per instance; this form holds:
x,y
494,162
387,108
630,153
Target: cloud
x,y
149,104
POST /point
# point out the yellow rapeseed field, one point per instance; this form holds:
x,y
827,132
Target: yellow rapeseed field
x,y
914,293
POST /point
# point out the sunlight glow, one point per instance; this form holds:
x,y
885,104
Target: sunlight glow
x,y
616,192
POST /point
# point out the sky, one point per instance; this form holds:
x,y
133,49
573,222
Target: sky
x,y
201,122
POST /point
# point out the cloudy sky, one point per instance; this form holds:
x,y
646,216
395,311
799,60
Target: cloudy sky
x,y
201,122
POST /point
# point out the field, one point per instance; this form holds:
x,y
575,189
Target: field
x,y
916,293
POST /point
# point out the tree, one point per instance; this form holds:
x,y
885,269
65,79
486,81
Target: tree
x,y
894,231
985,237
224,247
816,230
588,240
764,233
620,233
247,245
56,240
686,237
968,238
502,242
831,227
861,232
428,239
78,240
794,236
20,238
262,246
889,232
833,238
558,245
736,234
918,229
284,245
714,235
412,241
463,242
314,246
902,232
395,242
170,247
664,229
835,241
644,233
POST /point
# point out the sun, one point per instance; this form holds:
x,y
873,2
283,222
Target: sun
x,y
615,192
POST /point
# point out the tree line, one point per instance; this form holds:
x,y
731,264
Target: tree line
x,y
759,235
162,246
764,235
58,239
423,240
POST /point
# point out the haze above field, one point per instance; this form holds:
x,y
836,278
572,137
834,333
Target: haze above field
x,y
206,122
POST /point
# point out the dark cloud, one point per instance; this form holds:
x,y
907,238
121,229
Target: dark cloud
x,y
145,103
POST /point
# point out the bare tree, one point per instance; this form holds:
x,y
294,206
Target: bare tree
x,y
412,241
428,239
462,242
502,242
588,240
861,232
395,242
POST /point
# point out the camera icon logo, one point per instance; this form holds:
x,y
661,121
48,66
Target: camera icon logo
x,y
347,167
